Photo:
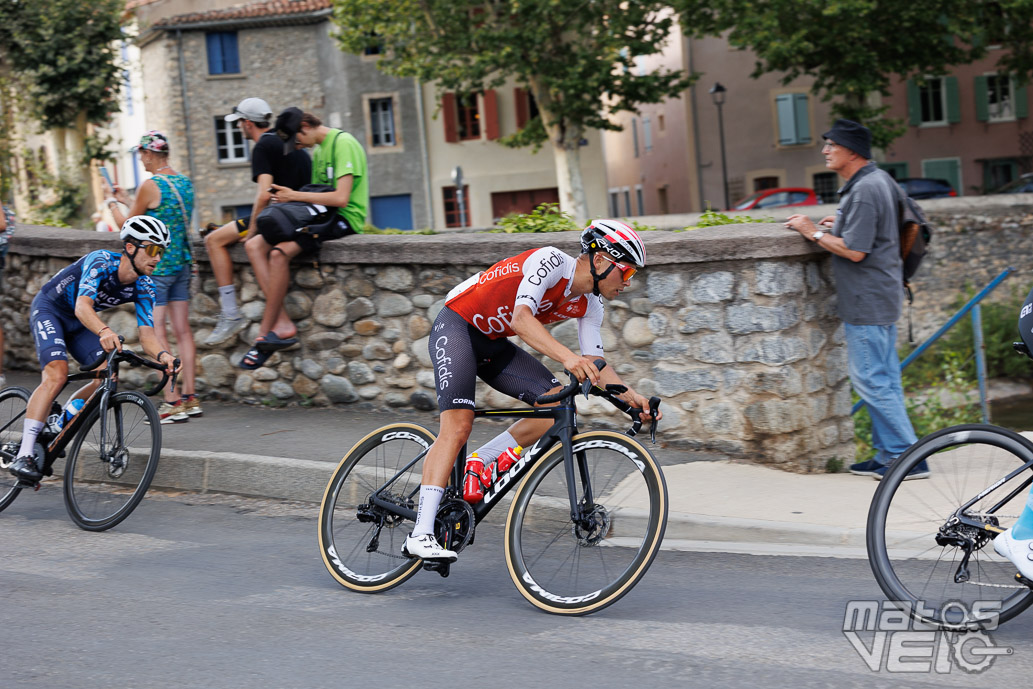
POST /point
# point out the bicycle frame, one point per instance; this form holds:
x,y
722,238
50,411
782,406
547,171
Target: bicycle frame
x,y
562,431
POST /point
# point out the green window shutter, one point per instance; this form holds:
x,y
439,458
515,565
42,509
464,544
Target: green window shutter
x,y
953,102
1021,102
914,104
786,119
803,118
982,99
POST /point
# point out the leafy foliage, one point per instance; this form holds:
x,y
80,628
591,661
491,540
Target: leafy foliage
x,y
545,218
65,54
712,218
855,47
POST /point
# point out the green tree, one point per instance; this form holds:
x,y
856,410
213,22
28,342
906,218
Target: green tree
x,y
63,67
577,59
853,48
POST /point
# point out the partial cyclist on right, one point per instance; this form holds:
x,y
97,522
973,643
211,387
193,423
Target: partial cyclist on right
x,y
518,296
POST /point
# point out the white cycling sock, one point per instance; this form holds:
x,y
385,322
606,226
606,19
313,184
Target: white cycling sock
x,y
430,499
491,450
30,431
228,301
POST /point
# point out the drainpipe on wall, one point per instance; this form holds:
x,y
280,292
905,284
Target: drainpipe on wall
x,y
424,156
695,126
186,115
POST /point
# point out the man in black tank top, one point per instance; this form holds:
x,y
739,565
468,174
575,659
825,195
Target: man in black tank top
x,y
269,165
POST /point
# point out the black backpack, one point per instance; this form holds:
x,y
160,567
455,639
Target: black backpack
x,y
915,234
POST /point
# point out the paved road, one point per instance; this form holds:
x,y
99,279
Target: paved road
x,y
222,591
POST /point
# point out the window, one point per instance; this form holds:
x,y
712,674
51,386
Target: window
x,y
647,134
762,183
661,197
222,52
230,145
998,172
794,121
615,202
382,121
127,84
999,98
393,211
452,216
895,170
934,102
634,135
469,119
825,186
231,213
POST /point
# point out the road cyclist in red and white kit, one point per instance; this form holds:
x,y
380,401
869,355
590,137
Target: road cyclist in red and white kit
x,y
519,296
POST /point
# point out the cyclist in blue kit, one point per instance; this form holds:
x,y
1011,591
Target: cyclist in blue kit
x,y
64,320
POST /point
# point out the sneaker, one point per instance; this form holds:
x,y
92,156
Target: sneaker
x,y
192,406
172,413
921,470
225,328
1019,552
26,469
426,547
867,468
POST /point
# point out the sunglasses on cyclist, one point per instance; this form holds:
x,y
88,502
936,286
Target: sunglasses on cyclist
x,y
627,272
151,250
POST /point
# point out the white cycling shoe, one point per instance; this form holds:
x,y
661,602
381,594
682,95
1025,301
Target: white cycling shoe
x,y
1019,552
426,547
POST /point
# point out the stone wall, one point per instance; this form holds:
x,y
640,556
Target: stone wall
x,y
732,326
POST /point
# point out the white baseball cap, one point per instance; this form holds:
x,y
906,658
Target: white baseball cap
x,y
254,109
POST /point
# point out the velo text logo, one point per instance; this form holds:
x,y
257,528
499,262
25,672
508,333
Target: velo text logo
x,y
887,639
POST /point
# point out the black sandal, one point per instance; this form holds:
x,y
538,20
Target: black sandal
x,y
254,358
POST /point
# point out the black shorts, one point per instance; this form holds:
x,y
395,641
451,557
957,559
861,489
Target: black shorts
x,y
460,353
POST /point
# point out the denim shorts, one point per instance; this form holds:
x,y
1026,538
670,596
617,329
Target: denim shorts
x,y
175,287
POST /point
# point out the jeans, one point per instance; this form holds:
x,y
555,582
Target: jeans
x,y
875,374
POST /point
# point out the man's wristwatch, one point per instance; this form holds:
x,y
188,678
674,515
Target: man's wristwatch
x,y
818,235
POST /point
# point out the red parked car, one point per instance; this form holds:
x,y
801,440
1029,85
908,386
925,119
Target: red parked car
x,y
778,198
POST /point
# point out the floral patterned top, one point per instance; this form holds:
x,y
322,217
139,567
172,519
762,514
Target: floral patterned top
x,y
175,217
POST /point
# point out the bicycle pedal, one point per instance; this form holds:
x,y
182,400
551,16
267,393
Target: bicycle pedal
x,y
1023,580
439,566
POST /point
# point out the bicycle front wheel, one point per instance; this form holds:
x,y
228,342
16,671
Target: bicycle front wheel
x,y
360,542
570,568
108,473
13,402
916,546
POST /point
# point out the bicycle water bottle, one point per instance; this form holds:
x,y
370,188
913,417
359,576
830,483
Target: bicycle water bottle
x,y
473,489
71,409
508,458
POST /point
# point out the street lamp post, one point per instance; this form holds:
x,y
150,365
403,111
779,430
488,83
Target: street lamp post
x,y
717,92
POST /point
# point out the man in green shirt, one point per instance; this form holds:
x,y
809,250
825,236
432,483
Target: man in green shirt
x,y
339,161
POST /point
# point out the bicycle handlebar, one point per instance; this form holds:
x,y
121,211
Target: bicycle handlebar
x,y
114,357
610,395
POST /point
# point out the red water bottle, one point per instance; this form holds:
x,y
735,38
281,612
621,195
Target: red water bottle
x,y
473,489
508,458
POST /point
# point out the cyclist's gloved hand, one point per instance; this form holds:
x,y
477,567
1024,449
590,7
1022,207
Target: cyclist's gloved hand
x,y
640,402
582,367
172,364
109,339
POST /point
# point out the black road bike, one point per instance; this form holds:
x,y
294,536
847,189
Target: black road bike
x,y
930,542
586,521
115,444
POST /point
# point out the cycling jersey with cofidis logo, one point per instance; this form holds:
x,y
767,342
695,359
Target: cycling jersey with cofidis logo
x,y
539,279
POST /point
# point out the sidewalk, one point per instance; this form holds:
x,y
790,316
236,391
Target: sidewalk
x,y
722,506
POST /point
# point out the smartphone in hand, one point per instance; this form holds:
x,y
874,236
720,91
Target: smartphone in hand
x,y
107,176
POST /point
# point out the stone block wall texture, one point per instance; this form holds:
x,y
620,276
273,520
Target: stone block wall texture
x,y
733,327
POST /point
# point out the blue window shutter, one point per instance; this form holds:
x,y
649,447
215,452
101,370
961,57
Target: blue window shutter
x,y
803,118
786,119
214,53
1021,102
982,99
953,102
230,57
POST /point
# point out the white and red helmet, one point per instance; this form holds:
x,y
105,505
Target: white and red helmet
x,y
617,239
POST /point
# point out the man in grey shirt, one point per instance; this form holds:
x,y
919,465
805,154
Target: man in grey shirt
x,y
864,241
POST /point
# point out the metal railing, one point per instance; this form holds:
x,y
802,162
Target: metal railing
x,y
977,333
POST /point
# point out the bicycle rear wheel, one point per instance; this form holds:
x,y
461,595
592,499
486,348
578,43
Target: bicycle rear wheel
x,y
915,548
361,543
575,569
102,489
13,402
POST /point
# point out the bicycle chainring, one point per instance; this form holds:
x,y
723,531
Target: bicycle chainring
x,y
454,524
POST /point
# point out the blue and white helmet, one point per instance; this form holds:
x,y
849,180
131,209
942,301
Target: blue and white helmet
x,y
617,239
144,228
